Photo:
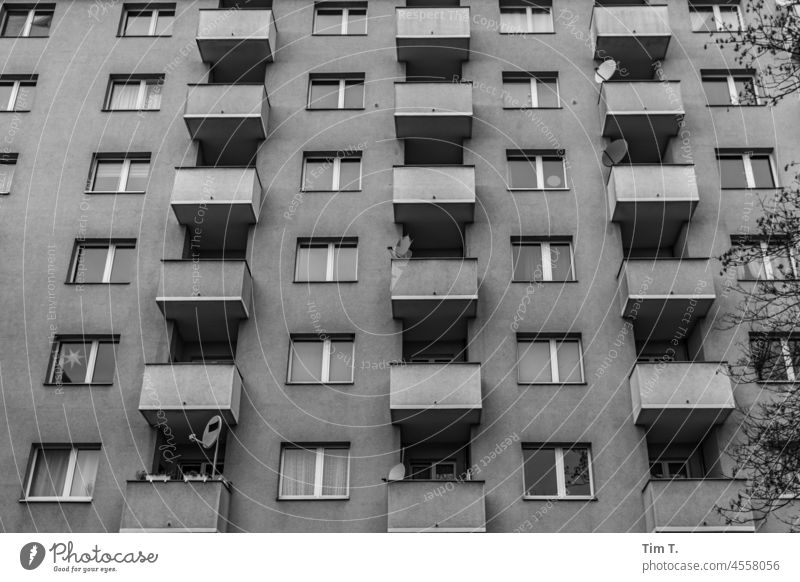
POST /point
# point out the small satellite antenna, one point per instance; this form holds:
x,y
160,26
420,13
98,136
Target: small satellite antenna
x,y
397,473
605,71
210,438
615,152
401,249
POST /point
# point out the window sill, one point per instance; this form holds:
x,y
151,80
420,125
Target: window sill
x,y
753,188
312,498
538,189
323,282
78,283
320,384
529,108
562,384
144,36
523,282
335,108
114,192
330,191
344,35
55,500
771,281
551,498
104,110
23,36
15,110
526,33
738,30
77,384
729,105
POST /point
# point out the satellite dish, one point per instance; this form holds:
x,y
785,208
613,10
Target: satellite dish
x,y
210,434
397,473
615,152
401,249
605,71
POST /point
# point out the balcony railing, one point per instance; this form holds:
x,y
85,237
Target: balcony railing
x,y
237,43
444,288
682,505
433,110
425,34
634,36
434,193
414,506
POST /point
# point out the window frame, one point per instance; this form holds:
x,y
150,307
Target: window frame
x,y
343,80
558,453
16,85
318,472
111,252
32,11
534,82
155,10
717,16
124,173
325,368
733,94
553,346
336,171
546,256
344,13
540,180
9,160
141,98
747,162
329,261
528,18
792,374
70,474
665,463
91,363
766,258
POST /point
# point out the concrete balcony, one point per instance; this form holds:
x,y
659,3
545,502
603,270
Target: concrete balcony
x,y
680,401
645,113
413,506
433,110
683,505
435,399
217,198
229,121
425,34
205,298
236,43
441,289
175,506
430,194
634,36
651,202
664,298
187,395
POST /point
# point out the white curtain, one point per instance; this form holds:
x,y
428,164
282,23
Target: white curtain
x,y
125,96
334,473
298,472
49,473
85,473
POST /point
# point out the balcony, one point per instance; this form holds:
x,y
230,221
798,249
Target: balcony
x,y
435,399
413,507
634,36
175,506
682,505
438,111
205,298
680,401
440,289
218,199
236,43
645,113
187,395
664,298
651,202
438,34
434,194
229,121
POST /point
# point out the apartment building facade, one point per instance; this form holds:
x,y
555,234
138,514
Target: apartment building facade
x,y
375,266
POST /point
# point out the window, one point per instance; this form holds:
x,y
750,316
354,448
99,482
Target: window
x,y
8,162
23,20
62,473
530,90
715,17
557,471
148,20
336,92
351,20
433,470
83,360
536,171
746,170
523,17
119,173
326,172
134,94
321,361
315,472
103,262
730,88
776,358
669,469
774,260
319,260
542,260
549,360
16,94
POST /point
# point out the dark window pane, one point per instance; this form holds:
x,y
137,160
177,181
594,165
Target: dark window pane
x,y
91,264
534,362
138,23
569,361
124,261
318,175
350,174
71,361
104,364
164,22
769,361
328,22
50,473
561,262
547,92
517,94
553,169
312,262
717,91
357,22
324,95
15,22
341,361
527,262
40,25
540,472
745,90
576,472
5,96
762,172
306,361
138,174
107,175
732,172
702,19
344,263
522,173
353,94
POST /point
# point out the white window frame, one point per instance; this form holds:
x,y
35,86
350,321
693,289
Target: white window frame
x,y
73,459
345,14
342,83
733,94
786,352
154,16
559,467
90,364
766,261
13,165
318,473
26,28
110,256
748,168
11,105
336,174
547,265
431,466
528,18
329,264
540,184
123,175
141,98
717,12
534,90
326,360
553,360
664,463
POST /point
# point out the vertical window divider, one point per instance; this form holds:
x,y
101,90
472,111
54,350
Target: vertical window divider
x,y
329,262
26,29
341,93
337,161
553,361
748,171
539,173
73,461
326,360
534,92
112,249
558,452
345,13
318,471
141,97
153,23
91,361
12,98
123,175
787,360
547,267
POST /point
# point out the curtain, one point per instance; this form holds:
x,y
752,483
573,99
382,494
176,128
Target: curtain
x,y
125,96
514,21
106,176
50,473
312,262
6,177
561,262
527,262
307,361
569,361
85,473
137,176
298,472
534,362
344,263
349,173
334,472
153,96
341,362
541,20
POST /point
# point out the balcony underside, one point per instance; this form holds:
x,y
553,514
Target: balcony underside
x,y
204,318
435,125
647,134
227,139
634,54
